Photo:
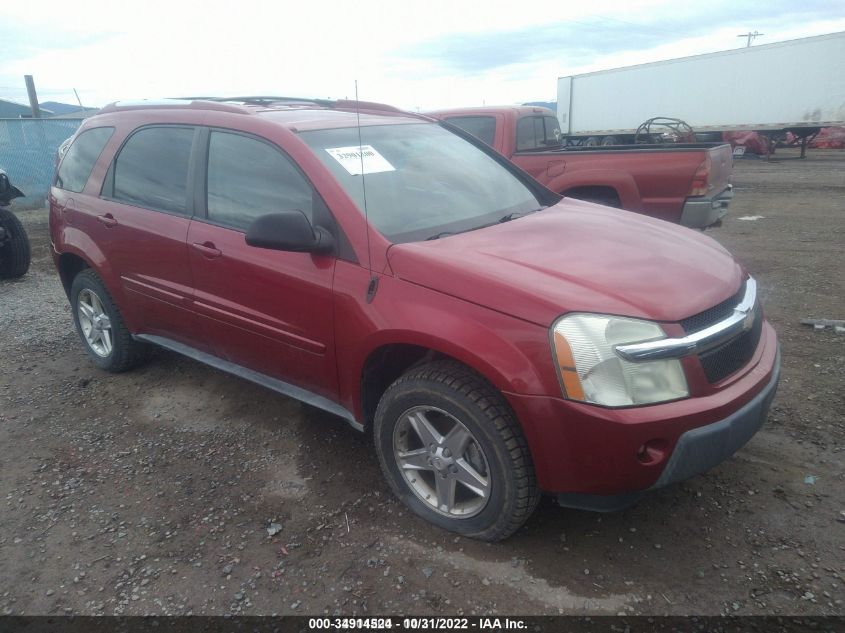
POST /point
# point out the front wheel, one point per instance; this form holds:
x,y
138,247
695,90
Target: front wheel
x,y
453,452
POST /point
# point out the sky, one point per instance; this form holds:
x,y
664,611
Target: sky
x,y
420,55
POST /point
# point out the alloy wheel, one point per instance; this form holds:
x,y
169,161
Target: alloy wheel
x,y
95,323
442,462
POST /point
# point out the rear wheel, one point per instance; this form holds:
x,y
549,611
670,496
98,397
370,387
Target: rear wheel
x,y
609,140
100,325
14,248
453,452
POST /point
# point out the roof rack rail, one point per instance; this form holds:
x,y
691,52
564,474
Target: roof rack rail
x,y
263,100
351,104
198,104
239,105
342,104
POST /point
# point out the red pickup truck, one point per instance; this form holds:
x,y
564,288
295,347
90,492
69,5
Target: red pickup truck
x,y
685,183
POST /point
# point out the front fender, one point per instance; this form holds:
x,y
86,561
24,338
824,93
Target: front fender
x,y
512,354
503,364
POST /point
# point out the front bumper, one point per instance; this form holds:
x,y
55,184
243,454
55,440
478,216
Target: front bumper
x,y
697,451
701,212
595,454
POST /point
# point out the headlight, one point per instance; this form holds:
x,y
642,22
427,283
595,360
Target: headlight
x,y
591,371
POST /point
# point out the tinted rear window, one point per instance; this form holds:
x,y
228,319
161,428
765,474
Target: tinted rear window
x,y
81,157
152,169
481,127
537,132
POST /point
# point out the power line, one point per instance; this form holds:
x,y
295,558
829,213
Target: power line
x,y
750,37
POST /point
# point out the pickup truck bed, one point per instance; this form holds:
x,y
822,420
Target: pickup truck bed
x,y
687,183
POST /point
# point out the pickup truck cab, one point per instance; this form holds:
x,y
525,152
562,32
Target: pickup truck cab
x,y
684,183
496,340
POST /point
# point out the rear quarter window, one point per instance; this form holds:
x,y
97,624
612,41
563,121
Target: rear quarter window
x,y
481,127
79,161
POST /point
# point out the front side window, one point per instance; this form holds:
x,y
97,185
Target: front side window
x,y
481,127
81,157
537,132
151,170
248,178
421,180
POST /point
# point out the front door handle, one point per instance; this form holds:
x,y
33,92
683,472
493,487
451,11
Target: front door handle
x,y
107,219
208,249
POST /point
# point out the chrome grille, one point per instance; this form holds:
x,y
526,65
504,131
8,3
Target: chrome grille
x,y
721,362
713,315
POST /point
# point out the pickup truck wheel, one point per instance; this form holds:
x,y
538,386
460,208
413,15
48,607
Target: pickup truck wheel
x,y
14,249
453,452
100,326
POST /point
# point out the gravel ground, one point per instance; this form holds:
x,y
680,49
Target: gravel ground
x,y
176,489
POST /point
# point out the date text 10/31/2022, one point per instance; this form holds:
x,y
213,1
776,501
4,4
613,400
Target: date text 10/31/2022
x,y
417,623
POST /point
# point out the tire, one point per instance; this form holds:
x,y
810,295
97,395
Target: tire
x,y
100,325
592,141
15,253
490,451
609,140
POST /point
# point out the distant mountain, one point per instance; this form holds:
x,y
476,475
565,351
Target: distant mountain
x,y
57,107
552,105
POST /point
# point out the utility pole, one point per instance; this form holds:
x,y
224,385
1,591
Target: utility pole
x,y
750,37
33,97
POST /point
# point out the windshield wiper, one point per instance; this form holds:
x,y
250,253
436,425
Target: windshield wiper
x,y
518,214
507,218
437,236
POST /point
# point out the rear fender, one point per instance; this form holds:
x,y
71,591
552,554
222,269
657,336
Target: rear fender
x,y
622,183
75,242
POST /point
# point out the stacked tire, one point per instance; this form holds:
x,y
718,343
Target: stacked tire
x,y
14,246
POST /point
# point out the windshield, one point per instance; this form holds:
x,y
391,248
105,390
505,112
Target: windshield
x,y
421,180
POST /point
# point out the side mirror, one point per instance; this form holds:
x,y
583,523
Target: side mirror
x,y
289,231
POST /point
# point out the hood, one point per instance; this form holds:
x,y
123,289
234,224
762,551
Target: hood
x,y
576,257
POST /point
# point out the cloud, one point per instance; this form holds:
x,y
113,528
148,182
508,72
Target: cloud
x,y
444,53
578,41
469,53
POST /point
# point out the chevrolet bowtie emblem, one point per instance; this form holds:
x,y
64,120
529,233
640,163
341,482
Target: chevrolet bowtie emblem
x,y
748,321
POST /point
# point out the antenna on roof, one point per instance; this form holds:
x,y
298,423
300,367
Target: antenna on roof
x,y
373,286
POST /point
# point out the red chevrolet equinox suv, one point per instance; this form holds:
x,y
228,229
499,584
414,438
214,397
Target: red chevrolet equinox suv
x,y
497,340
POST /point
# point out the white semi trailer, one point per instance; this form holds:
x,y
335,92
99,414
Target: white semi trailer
x,y
797,85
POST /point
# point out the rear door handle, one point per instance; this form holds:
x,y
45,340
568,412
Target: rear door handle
x,y
207,249
107,219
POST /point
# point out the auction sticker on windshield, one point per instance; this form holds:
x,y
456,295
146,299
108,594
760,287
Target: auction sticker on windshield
x,y
353,158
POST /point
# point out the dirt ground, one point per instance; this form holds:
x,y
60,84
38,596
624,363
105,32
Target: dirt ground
x,y
152,492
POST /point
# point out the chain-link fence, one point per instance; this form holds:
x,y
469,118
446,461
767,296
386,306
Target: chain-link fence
x,y
28,153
